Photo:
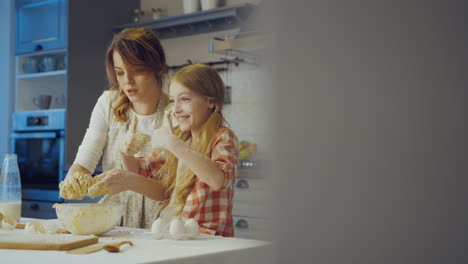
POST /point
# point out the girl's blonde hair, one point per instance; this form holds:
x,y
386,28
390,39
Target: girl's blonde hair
x,y
139,48
203,80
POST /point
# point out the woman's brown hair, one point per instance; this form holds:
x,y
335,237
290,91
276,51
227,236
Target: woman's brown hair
x,y
139,48
203,80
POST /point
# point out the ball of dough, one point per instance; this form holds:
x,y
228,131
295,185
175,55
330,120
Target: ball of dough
x,y
34,228
9,223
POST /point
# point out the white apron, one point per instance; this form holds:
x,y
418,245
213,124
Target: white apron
x,y
139,211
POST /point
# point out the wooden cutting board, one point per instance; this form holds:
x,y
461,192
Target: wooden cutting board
x,y
21,240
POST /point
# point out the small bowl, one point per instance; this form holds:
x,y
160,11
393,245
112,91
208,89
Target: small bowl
x,y
89,218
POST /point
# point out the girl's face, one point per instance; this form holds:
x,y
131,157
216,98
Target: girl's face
x,y
190,109
137,83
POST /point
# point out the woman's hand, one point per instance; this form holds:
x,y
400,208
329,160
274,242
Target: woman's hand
x,y
75,185
134,141
164,138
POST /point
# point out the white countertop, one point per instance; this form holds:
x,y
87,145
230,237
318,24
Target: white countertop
x,y
208,249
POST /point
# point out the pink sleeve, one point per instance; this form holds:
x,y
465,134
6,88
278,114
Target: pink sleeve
x,y
151,164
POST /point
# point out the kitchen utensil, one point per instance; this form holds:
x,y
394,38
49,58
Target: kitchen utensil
x,y
89,218
95,248
115,247
42,101
227,96
16,239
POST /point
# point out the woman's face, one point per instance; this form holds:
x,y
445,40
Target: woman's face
x,y
139,84
191,110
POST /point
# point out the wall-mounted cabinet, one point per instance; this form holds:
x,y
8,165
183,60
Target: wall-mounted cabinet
x,y
40,25
60,49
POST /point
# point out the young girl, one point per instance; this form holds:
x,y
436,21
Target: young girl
x,y
195,161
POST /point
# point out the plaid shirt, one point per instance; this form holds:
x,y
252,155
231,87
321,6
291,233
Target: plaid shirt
x,y
212,209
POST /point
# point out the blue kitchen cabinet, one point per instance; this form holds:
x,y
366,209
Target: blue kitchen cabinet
x,y
40,25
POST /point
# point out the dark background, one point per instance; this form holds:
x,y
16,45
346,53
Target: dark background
x,y
369,106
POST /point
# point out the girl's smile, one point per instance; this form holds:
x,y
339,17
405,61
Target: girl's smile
x,y
182,118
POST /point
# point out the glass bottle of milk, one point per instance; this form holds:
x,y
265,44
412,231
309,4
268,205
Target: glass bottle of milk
x,y
10,188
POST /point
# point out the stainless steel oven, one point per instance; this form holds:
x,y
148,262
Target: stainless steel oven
x,y
38,141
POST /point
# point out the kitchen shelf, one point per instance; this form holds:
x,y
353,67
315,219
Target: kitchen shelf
x,y
246,45
41,74
44,52
217,19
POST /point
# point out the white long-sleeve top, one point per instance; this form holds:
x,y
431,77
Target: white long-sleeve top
x,y
103,126
104,137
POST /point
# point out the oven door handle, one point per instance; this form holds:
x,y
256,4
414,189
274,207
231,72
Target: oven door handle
x,y
36,135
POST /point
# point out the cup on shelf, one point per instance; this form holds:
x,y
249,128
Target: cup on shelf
x,y
42,101
48,63
137,15
191,6
31,65
209,4
156,13
60,100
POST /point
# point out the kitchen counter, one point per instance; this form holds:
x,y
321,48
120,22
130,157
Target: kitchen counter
x,y
207,249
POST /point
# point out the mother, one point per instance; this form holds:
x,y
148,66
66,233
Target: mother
x,y
136,68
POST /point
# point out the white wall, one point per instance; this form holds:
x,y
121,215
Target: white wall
x,y
247,114
6,73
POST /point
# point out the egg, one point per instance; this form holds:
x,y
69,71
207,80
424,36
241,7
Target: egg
x,y
8,223
34,228
159,226
191,226
177,227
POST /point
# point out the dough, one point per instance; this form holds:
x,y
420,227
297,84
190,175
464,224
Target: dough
x,y
135,143
9,223
34,228
87,187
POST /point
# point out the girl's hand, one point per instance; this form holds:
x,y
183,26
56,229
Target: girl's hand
x,y
111,182
164,137
134,141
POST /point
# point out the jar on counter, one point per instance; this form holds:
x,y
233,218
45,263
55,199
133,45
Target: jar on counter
x,y
10,188
156,13
137,15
